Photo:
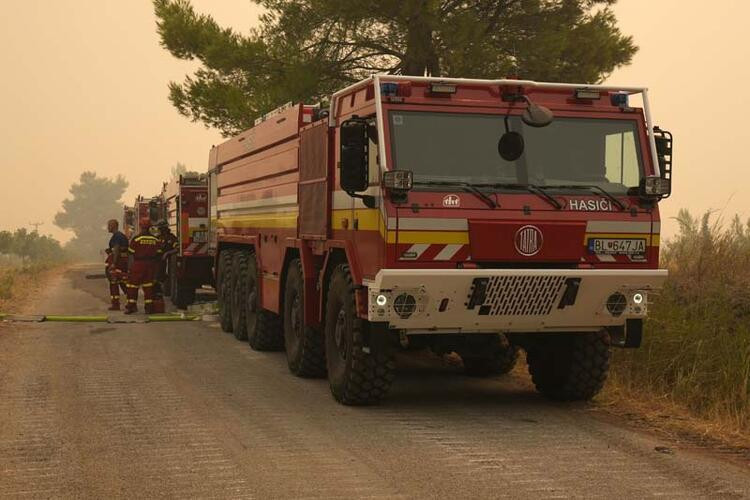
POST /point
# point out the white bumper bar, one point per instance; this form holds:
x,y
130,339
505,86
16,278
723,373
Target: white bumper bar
x,y
509,300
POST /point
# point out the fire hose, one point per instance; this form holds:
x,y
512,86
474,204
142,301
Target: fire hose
x,y
44,318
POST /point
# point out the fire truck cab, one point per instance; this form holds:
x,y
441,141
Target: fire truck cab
x,y
189,264
475,217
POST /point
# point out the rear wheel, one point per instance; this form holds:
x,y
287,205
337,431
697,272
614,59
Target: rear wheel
x,y
357,374
570,367
263,327
502,359
183,294
224,289
305,350
238,311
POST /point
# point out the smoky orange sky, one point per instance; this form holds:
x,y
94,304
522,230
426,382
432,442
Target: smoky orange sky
x,y
84,87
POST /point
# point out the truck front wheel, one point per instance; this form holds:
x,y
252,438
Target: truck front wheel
x,y
224,290
305,351
570,367
357,374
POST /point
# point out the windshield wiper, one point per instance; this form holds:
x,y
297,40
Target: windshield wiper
x,y
590,187
532,188
471,188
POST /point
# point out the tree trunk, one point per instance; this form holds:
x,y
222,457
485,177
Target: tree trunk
x,y
421,55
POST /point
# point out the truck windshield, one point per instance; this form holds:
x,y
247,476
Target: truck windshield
x,y
462,147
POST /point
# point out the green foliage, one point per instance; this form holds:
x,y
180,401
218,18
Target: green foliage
x,y
304,50
31,246
6,284
697,343
94,200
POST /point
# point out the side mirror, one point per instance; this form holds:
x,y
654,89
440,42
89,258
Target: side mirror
x,y
354,155
510,146
537,116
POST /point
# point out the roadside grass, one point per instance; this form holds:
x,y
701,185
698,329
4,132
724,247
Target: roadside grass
x,y
18,279
696,350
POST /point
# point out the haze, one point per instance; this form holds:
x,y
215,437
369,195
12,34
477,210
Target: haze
x,y
84,87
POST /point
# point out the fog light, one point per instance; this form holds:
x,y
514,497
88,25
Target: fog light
x,y
381,300
616,304
638,298
405,305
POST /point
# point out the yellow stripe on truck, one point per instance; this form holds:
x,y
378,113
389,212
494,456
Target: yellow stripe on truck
x,y
268,220
437,237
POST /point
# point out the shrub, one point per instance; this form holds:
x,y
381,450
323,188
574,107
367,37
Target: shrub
x,y
697,344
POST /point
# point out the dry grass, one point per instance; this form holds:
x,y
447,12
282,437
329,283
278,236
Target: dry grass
x,y
18,284
696,352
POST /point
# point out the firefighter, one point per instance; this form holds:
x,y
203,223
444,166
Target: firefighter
x,y
117,264
145,256
168,243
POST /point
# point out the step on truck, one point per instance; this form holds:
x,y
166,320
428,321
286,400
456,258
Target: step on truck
x,y
475,217
190,265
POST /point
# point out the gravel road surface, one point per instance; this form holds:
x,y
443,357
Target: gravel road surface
x,y
184,410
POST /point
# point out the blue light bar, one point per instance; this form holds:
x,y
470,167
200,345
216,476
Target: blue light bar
x,y
389,89
621,99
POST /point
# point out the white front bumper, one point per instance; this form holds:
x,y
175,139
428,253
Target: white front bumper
x,y
515,300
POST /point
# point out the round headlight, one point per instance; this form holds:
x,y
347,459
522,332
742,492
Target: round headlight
x,y
638,298
381,300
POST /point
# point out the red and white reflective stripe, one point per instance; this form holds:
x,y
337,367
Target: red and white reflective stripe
x,y
433,252
307,114
607,258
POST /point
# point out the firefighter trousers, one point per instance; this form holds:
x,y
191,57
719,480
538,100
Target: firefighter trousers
x,y
117,282
141,276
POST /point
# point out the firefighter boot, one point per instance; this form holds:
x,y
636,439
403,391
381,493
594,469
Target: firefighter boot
x,y
148,297
114,291
132,306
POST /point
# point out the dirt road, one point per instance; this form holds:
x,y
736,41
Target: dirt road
x,y
184,410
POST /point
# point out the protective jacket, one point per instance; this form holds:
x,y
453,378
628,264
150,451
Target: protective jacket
x,y
145,251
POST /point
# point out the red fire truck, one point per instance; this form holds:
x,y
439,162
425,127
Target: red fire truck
x,y
476,217
186,211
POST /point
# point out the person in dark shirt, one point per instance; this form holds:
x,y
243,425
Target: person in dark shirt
x,y
117,264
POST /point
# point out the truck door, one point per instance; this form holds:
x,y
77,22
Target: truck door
x,y
313,188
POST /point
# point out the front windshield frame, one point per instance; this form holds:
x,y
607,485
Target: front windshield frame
x,y
636,118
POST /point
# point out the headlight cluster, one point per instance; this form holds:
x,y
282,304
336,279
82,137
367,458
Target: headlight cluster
x,y
633,303
403,304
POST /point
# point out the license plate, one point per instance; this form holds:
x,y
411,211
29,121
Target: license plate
x,y
618,246
199,237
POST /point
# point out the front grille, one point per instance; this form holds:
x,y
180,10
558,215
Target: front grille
x,y
522,295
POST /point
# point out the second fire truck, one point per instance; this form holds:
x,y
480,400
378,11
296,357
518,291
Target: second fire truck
x,y
189,265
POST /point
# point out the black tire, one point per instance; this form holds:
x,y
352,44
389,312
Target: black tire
x,y
223,291
263,327
305,349
502,361
183,294
356,377
570,367
237,309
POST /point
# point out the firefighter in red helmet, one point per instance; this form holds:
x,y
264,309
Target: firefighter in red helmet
x,y
145,254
